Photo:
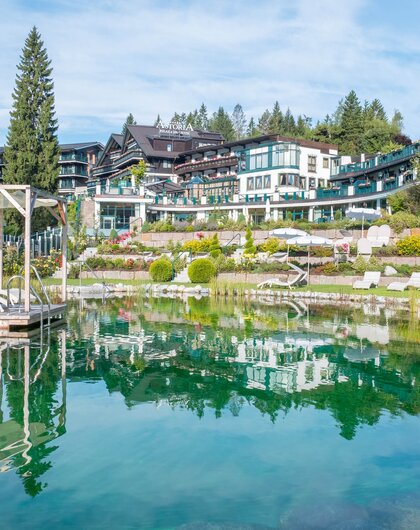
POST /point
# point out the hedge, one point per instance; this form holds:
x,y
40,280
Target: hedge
x,y
161,270
201,270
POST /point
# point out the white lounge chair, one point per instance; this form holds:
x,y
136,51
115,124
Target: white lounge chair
x,y
370,279
300,277
414,281
384,235
364,248
379,236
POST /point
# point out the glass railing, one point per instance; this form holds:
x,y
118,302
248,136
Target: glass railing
x,y
72,156
328,193
381,160
362,186
73,171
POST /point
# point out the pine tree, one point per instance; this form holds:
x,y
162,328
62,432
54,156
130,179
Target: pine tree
x,y
221,122
289,124
264,122
31,152
351,124
203,120
276,124
239,121
128,121
252,130
157,121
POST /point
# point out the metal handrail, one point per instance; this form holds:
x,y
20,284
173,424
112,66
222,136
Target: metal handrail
x,y
9,281
44,292
232,239
178,258
94,273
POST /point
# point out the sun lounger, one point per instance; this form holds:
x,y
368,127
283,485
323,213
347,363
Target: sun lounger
x,y
414,281
370,279
299,278
364,248
379,236
384,235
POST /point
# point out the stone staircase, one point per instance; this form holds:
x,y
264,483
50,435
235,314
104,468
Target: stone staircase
x,y
182,276
88,253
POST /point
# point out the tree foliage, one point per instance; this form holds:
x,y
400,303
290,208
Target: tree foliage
x,y
128,121
31,152
353,126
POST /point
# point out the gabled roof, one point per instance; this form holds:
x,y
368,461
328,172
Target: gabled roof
x,y
119,138
144,135
114,139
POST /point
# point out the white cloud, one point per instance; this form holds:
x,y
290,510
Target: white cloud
x,y
145,57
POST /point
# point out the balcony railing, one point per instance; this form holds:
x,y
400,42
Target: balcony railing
x,y
335,191
381,160
136,154
362,186
70,157
221,161
102,170
79,171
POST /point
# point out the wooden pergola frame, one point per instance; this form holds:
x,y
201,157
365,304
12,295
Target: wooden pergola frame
x,y
58,210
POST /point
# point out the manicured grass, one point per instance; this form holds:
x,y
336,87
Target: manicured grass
x,y
348,289
339,289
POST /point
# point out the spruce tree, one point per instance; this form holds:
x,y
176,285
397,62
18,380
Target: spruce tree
x,y
351,124
31,152
202,119
221,122
252,129
157,121
275,124
128,121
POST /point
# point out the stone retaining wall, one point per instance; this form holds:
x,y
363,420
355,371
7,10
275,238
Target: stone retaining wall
x,y
161,239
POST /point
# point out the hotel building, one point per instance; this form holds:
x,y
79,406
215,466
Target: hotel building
x,y
76,163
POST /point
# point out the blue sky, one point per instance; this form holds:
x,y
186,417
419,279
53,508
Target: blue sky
x,y
112,57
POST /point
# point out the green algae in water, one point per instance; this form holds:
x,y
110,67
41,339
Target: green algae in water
x,y
155,413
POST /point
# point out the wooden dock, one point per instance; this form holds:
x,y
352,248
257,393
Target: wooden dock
x,y
15,322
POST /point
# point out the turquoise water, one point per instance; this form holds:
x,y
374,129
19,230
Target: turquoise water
x,y
163,414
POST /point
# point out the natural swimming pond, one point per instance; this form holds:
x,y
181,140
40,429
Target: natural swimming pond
x,y
161,414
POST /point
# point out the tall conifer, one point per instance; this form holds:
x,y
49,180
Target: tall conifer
x,y
31,152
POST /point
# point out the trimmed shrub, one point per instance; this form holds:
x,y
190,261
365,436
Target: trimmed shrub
x,y
215,253
201,270
161,270
409,246
113,235
270,245
249,246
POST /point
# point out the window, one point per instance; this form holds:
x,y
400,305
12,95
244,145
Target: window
x,y
312,163
120,213
166,163
258,161
169,147
267,181
258,183
250,183
326,163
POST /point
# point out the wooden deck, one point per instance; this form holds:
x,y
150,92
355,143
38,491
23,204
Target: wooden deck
x,y
15,322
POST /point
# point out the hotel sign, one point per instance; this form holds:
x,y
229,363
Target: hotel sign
x,y
174,128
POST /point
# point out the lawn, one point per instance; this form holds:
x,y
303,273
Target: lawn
x,y
339,289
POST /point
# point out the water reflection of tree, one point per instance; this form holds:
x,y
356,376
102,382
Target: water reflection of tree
x,y
46,415
201,376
